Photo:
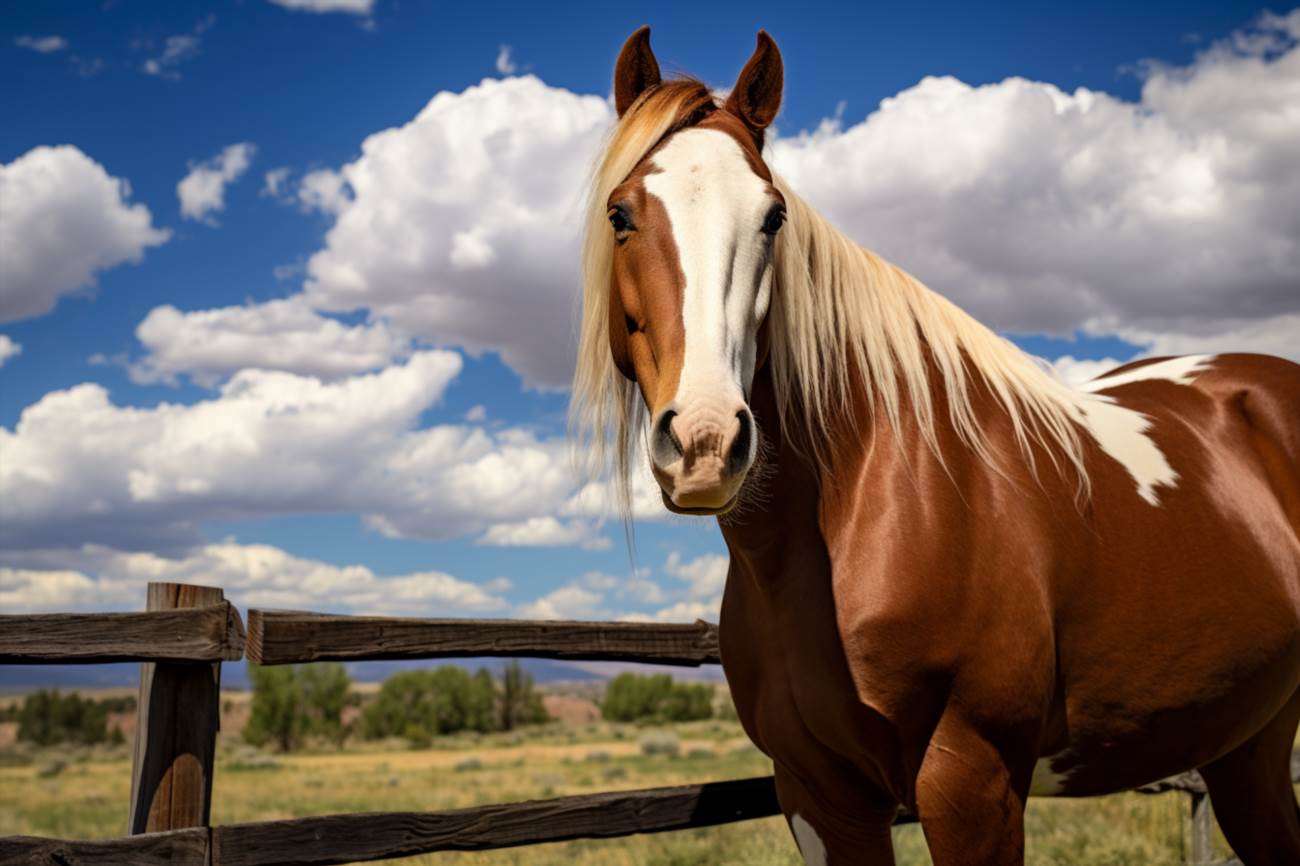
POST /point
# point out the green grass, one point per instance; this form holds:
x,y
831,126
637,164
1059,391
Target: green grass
x,y
88,799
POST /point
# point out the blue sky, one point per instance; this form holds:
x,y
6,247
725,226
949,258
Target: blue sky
x,y
1092,227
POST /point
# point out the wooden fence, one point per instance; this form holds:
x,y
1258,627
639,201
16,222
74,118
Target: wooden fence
x,y
188,631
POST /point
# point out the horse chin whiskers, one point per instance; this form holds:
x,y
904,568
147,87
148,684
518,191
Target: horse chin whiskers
x,y
754,494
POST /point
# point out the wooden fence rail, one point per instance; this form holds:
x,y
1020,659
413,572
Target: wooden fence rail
x,y
212,633
188,631
277,637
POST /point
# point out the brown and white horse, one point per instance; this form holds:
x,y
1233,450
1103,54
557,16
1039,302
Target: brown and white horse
x,y
955,581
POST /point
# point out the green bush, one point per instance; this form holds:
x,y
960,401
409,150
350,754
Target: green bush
x,y
422,704
655,699
50,717
293,702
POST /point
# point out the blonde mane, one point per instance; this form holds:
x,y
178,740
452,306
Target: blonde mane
x,y
836,308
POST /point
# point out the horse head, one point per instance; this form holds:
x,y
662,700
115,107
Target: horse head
x,y
691,234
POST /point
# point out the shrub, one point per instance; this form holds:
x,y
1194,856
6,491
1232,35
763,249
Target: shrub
x,y
52,769
428,703
50,717
422,704
656,699
660,743
296,701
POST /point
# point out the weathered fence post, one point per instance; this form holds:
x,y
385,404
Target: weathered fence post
x,y
176,729
1202,853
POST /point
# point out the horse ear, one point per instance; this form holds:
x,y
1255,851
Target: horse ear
x,y
636,70
756,98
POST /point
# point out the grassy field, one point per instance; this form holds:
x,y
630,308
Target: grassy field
x,y
87,798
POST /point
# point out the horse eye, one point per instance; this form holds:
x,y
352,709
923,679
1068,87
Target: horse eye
x,y
632,326
621,222
775,219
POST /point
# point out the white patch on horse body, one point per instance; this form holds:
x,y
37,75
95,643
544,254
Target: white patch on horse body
x,y
1123,433
810,844
1046,782
1180,371
716,205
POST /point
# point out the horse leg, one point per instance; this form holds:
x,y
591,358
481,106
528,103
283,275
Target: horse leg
x,y
1250,789
970,802
855,830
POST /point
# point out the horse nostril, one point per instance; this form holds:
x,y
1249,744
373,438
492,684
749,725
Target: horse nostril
x,y
667,447
738,456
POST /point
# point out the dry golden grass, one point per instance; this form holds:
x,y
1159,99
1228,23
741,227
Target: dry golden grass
x,y
88,798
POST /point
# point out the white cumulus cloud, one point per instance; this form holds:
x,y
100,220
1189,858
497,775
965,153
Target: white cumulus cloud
x,y
63,219
77,469
546,531
1042,211
323,190
252,575
597,595
1077,371
8,348
463,224
211,345
202,192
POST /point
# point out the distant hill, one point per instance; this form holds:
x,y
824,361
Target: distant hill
x,y
234,675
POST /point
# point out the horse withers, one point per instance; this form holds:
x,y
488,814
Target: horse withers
x,y
955,581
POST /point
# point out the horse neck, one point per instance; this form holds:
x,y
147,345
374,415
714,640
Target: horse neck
x,y
786,505
801,503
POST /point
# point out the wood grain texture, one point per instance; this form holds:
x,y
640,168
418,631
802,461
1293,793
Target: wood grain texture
x,y
332,839
176,730
206,634
288,637
359,837
177,848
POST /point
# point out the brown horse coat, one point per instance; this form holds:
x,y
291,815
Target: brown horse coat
x,y
925,635
954,581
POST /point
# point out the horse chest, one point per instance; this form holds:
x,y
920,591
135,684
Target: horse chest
x,y
799,689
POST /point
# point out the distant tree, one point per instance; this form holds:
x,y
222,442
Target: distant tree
x,y
403,697
633,698
278,714
293,702
422,704
481,703
521,704
655,698
50,717
325,689
687,702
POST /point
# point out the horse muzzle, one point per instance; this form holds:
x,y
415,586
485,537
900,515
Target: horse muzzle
x,y
701,456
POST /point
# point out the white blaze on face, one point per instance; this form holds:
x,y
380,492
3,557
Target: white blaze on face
x,y
716,206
